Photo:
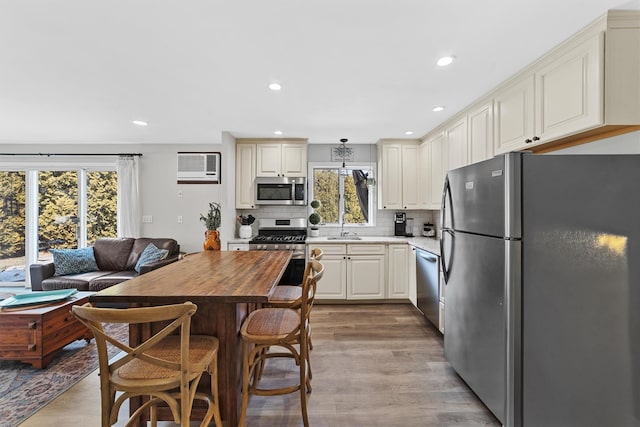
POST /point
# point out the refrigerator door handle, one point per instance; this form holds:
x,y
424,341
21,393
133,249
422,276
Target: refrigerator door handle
x,y
443,258
446,194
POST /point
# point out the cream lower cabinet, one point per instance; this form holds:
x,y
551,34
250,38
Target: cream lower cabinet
x,y
399,270
352,271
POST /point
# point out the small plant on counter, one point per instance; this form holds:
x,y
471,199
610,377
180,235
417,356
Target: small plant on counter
x,y
315,218
213,217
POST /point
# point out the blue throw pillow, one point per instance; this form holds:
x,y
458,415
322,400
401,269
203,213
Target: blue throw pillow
x,y
150,255
73,261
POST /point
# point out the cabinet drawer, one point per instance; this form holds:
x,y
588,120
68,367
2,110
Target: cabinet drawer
x,y
365,249
330,249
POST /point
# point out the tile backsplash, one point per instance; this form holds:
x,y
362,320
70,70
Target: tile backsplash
x,y
384,220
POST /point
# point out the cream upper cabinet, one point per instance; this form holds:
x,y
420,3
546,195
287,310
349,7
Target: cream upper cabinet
x,y
480,122
390,182
275,159
562,97
410,177
513,115
437,169
398,164
399,269
245,176
424,175
457,147
569,91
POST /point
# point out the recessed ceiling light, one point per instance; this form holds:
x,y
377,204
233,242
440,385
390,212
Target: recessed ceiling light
x,y
139,123
445,60
278,132
438,108
409,132
275,86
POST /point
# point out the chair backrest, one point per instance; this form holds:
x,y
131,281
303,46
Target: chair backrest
x,y
316,253
177,316
309,286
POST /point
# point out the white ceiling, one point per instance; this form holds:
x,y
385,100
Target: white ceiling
x,y
79,71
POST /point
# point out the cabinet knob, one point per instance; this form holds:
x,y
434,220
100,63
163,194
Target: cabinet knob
x,y
528,141
535,138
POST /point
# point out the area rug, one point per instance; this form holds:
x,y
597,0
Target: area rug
x,y
24,390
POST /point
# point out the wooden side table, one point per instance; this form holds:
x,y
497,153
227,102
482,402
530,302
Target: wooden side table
x,y
34,335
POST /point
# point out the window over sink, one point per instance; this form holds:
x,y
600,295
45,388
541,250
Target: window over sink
x,y
344,197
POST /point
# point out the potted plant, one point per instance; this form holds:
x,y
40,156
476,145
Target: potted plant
x,y
212,222
314,219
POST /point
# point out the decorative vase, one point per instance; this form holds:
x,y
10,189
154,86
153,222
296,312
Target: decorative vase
x,y
212,240
245,232
314,232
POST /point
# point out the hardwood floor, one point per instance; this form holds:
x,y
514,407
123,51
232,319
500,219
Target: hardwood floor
x,y
373,365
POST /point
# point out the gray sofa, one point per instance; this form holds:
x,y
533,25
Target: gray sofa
x,y
115,258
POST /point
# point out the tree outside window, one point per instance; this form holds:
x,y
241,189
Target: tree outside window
x,y
343,198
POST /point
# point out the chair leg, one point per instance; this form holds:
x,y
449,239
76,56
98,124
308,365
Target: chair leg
x,y
214,391
303,382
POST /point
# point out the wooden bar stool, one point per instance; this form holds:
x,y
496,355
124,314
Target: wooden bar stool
x,y
166,368
290,296
284,328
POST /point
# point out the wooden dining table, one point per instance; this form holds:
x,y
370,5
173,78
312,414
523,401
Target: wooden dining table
x,y
226,286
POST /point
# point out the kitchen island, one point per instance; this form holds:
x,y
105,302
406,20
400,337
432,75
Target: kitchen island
x,y
225,286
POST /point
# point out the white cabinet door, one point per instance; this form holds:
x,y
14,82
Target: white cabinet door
x,y
294,160
268,159
333,284
438,169
390,181
409,170
365,276
398,263
424,175
457,147
569,91
480,121
245,176
513,116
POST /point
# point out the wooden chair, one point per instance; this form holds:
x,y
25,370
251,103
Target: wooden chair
x,y
289,295
166,368
284,328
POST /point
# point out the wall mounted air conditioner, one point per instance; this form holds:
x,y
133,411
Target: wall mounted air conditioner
x,y
198,168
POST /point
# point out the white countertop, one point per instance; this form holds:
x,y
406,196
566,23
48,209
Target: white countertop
x,y
427,243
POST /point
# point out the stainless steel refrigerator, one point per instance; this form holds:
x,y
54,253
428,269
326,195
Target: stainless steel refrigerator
x,y
541,257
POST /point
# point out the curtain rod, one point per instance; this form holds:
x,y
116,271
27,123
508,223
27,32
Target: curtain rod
x,y
72,154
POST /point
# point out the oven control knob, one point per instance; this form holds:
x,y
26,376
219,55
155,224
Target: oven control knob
x,y
275,247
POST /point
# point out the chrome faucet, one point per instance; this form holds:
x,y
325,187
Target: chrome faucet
x,y
342,232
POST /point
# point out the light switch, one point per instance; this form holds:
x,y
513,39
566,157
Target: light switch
x,y
147,219
179,219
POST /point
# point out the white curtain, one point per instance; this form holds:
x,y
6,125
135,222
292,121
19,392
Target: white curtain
x,y
128,197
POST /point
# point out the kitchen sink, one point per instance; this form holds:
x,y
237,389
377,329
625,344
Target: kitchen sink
x,y
344,238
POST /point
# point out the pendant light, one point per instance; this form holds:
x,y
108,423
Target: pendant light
x,y
343,152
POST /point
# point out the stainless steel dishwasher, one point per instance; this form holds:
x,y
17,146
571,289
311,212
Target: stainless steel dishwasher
x,y
427,282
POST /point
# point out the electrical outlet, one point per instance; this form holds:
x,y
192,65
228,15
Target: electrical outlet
x,y
179,219
147,219
179,194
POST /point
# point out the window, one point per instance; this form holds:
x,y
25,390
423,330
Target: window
x,y
46,206
343,198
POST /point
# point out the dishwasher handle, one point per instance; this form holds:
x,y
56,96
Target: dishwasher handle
x,y
429,257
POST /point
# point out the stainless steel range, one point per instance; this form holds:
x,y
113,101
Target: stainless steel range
x,y
284,235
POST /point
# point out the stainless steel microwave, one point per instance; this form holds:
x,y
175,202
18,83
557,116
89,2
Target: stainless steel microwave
x,y
283,191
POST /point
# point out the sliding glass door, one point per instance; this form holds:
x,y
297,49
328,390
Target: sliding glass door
x,y
59,208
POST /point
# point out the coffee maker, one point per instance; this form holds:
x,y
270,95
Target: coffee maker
x,y
400,222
